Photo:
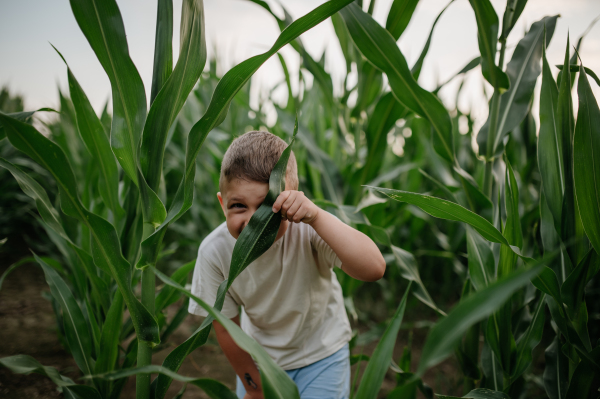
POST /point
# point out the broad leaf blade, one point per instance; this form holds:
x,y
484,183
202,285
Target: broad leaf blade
x,y
556,372
399,16
529,340
481,260
109,341
163,47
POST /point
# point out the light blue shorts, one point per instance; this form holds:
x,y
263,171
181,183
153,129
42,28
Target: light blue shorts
x,y
327,378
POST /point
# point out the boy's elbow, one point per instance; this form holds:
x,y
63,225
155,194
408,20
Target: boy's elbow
x,y
377,270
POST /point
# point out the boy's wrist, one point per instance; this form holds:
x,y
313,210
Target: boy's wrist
x,y
313,219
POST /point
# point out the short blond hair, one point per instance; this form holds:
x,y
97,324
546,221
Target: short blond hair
x,y
253,155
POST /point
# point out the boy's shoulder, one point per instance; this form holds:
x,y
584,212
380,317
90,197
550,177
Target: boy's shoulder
x,y
217,244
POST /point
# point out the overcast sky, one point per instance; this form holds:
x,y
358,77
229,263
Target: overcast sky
x,y
238,29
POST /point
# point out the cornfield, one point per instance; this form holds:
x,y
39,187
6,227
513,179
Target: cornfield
x,y
509,228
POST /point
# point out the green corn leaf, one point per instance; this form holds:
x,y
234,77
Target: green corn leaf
x,y
96,141
109,341
213,388
416,69
379,364
348,49
470,65
228,86
479,393
387,111
130,359
12,267
102,25
172,96
556,372
585,381
487,36
523,71
547,283
481,260
379,47
276,383
163,47
370,81
562,265
477,200
529,340
409,270
575,68
176,321
446,334
587,165
443,209
106,249
513,11
167,295
76,329
573,289
512,230
24,364
22,116
550,142
399,16
255,239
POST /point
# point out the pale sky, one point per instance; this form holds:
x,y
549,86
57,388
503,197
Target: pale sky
x,y
239,29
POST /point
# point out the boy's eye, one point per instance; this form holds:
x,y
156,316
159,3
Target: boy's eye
x,y
237,205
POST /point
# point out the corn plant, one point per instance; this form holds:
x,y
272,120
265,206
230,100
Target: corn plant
x,y
123,231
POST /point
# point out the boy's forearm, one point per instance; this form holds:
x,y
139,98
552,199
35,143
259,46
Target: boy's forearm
x,y
240,360
360,256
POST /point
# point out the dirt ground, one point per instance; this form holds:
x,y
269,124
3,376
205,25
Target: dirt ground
x,y
28,326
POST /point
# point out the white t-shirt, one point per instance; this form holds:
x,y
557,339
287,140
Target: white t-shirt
x,y
292,304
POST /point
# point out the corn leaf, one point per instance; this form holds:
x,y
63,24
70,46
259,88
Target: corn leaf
x,y
573,289
76,329
276,383
575,68
550,142
587,162
167,295
24,364
513,11
547,283
529,339
585,381
106,249
446,334
479,393
163,47
379,364
487,36
380,48
213,388
172,96
481,260
228,86
556,372
109,341
22,116
399,16
512,230
523,71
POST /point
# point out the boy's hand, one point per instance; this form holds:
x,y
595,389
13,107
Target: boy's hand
x,y
295,207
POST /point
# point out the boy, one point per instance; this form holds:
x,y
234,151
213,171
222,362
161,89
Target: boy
x,y
292,302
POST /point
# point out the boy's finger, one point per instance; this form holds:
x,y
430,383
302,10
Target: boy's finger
x,y
280,199
287,204
292,211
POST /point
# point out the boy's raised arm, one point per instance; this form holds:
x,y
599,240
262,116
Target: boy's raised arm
x,y
240,360
360,256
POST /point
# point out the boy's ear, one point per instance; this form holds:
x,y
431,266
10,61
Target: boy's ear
x,y
221,202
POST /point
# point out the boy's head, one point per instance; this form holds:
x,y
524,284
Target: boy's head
x,y
245,172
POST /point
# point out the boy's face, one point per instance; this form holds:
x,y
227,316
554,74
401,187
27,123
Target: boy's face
x,y
239,200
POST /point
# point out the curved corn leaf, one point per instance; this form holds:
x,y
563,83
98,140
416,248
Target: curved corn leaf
x,y
276,383
22,116
96,141
255,239
587,162
168,295
370,83
529,340
523,71
585,381
379,363
109,341
562,265
477,200
213,388
513,11
172,96
24,364
12,267
556,372
575,68
512,230
446,334
163,47
399,16
409,270
379,47
102,25
470,65
106,250
487,36
416,69
228,86
547,283
479,393
76,329
550,143
573,289
481,260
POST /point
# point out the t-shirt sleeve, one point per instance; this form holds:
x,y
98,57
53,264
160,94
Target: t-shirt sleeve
x,y
205,284
325,254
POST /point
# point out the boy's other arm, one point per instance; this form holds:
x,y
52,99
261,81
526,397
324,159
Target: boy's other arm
x,y
241,361
360,256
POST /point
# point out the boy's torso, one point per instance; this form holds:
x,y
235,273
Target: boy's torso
x,y
293,304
